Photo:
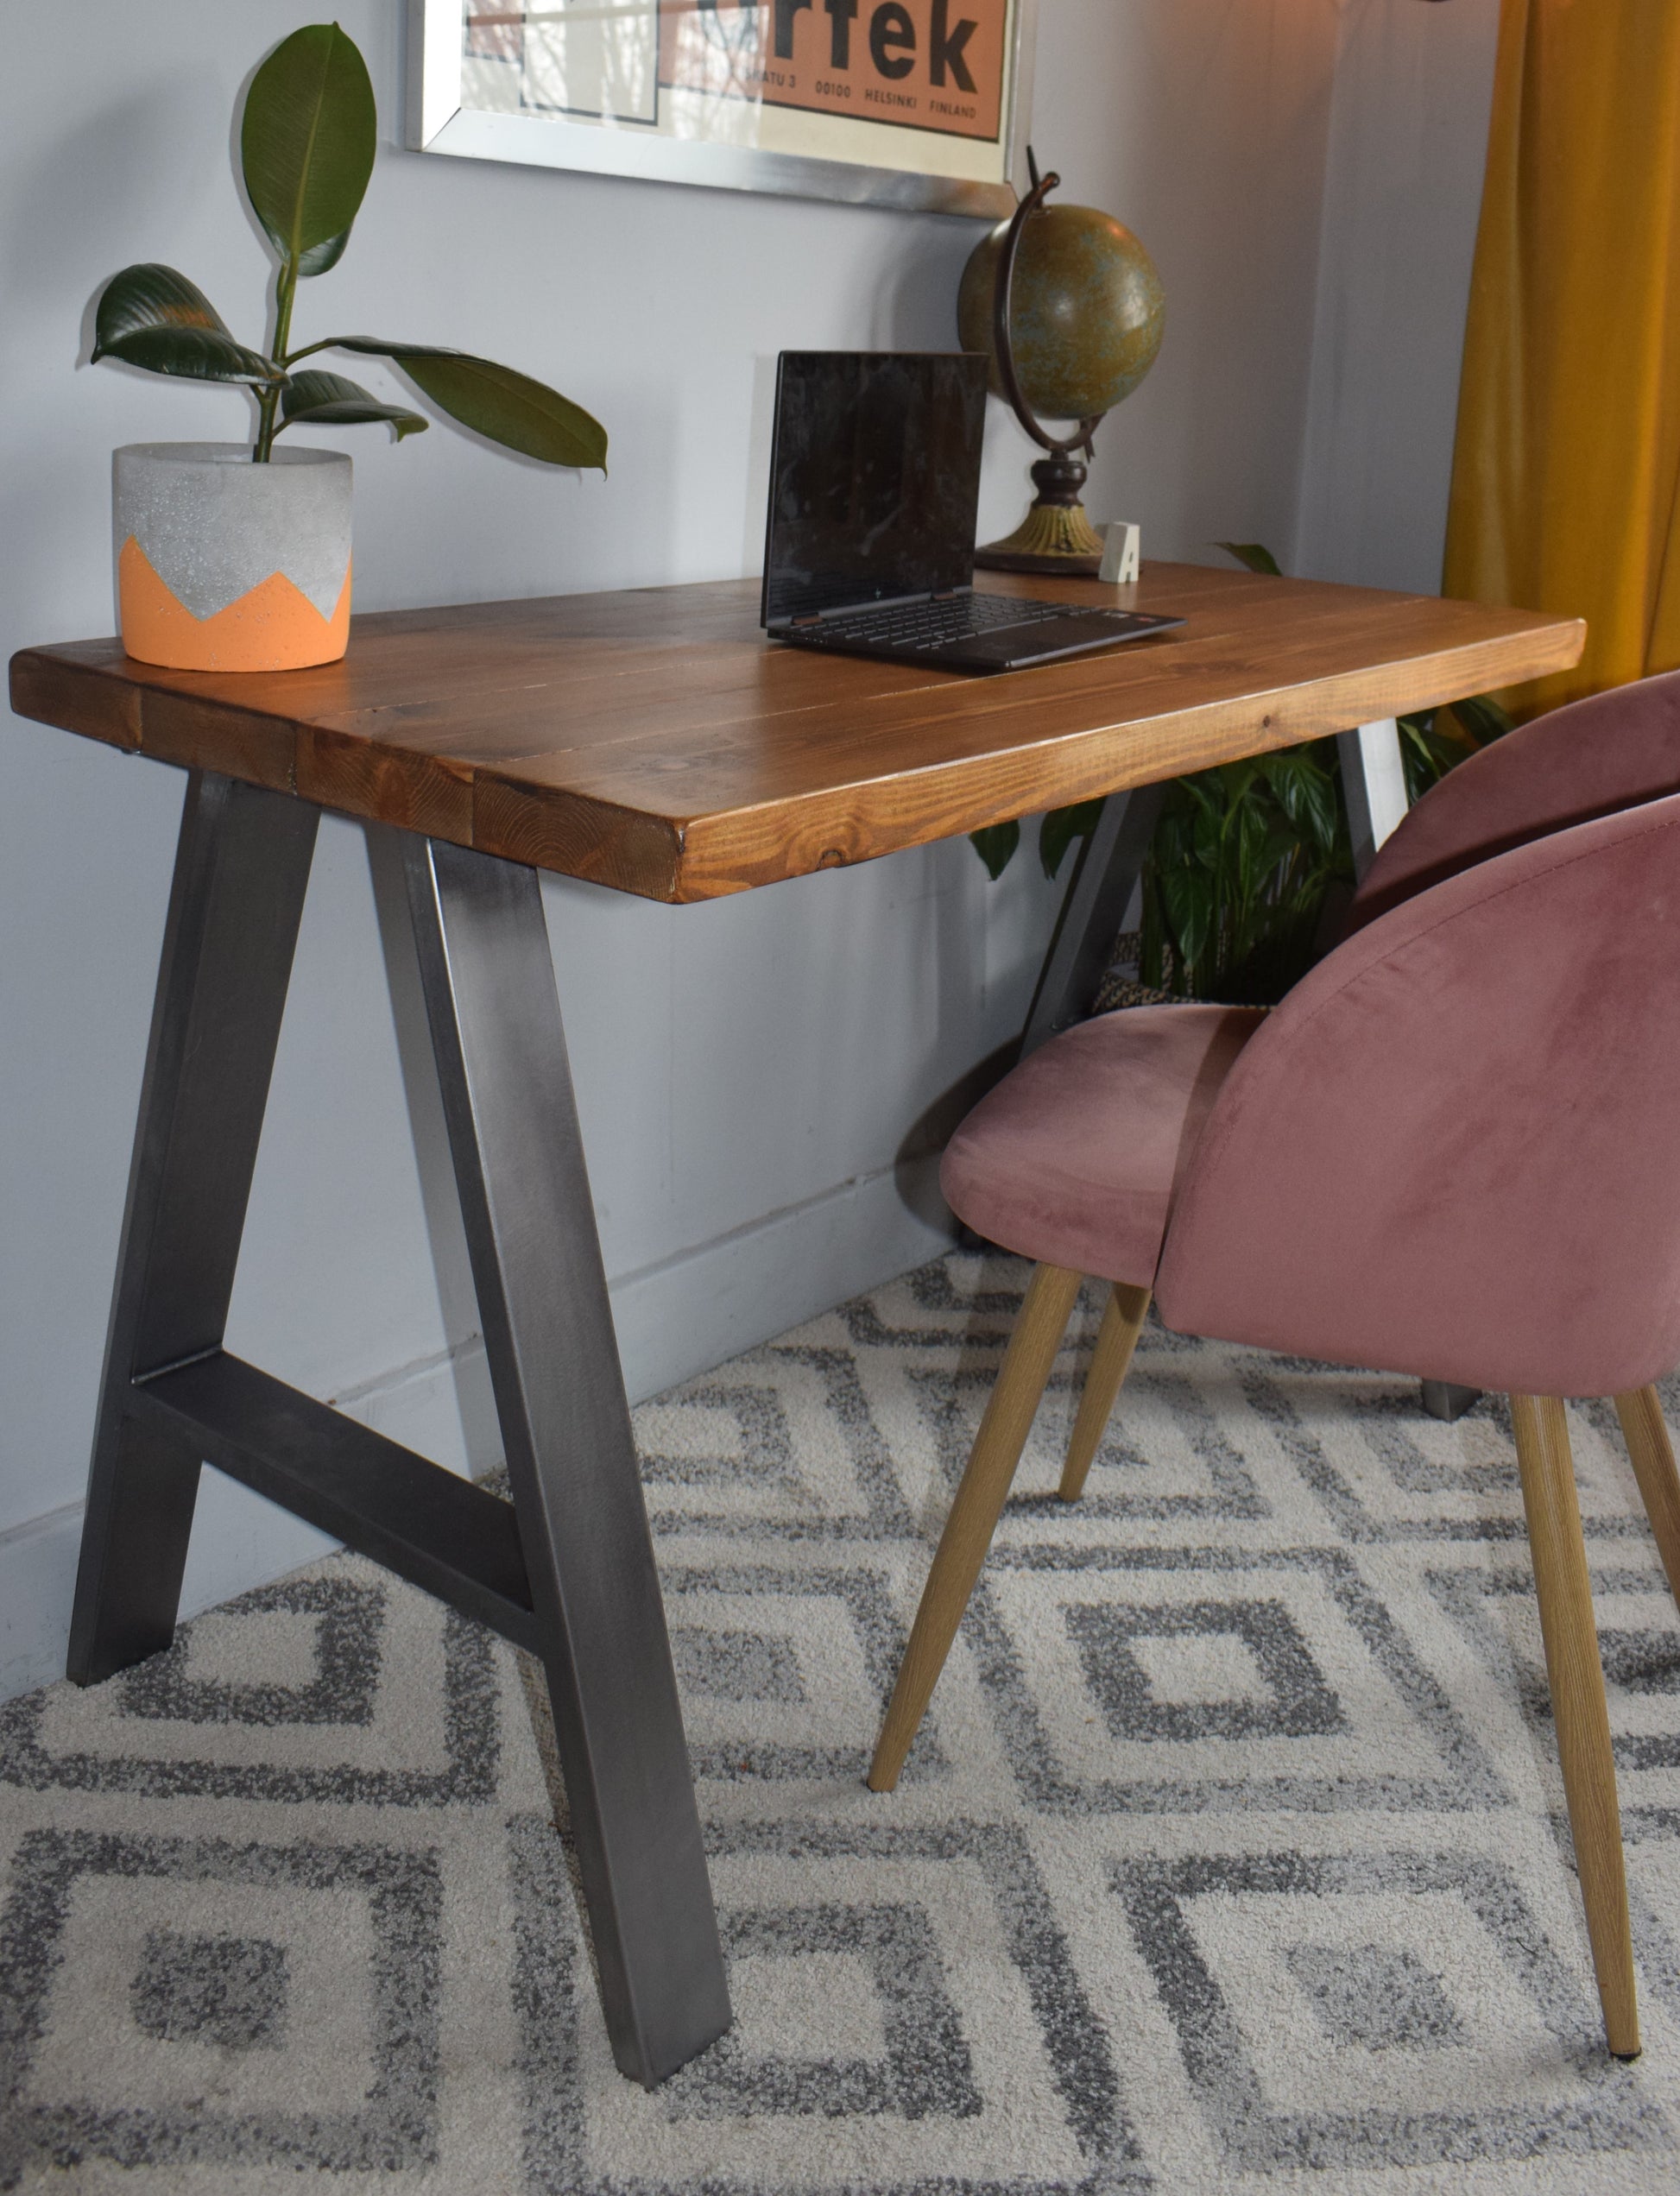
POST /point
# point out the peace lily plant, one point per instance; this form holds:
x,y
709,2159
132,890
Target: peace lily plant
x,y
237,558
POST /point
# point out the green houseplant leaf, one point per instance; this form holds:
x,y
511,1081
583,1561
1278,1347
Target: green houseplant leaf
x,y
306,144
1190,900
494,401
319,257
1255,555
995,844
329,401
1430,747
1061,827
151,316
1482,717
1306,794
308,139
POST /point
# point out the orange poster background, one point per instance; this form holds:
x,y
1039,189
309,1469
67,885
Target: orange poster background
x,y
727,50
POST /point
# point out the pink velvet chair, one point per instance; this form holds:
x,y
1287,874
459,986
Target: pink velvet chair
x,y
1590,759
1452,1150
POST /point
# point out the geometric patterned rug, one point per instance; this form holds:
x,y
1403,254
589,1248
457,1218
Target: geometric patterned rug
x,y
1231,1858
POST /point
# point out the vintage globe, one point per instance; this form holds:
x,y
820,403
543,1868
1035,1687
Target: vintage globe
x,y
1087,310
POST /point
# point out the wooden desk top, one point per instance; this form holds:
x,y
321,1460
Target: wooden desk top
x,y
653,741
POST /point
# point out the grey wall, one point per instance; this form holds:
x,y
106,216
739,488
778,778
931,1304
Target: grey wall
x,y
747,1071
1408,144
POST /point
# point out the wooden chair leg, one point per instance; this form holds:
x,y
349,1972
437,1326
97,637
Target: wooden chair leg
x,y
974,1514
1111,1360
1577,1678
1652,1454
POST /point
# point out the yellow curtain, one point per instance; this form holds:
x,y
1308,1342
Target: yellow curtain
x,y
1566,476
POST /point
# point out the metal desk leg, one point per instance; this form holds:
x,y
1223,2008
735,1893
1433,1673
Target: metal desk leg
x,y
1373,780
241,867
579,1584
1446,1399
542,1296
1109,863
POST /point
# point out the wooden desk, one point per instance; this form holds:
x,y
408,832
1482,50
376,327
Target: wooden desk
x,y
651,741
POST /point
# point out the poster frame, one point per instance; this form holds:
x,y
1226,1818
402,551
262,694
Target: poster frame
x,y
436,122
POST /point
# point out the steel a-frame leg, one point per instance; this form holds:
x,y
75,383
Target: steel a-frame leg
x,y
242,867
1109,864
570,1571
488,982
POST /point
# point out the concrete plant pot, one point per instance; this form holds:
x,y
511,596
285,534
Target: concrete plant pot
x,y
227,565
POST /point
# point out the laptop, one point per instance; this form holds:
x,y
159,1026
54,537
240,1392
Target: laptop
x,y
875,487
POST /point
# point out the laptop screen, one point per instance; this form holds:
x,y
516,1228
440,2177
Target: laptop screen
x,y
875,477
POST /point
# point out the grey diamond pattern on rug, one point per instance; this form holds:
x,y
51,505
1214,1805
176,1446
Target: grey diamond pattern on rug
x,y
1231,1859
230,1990
1363,1994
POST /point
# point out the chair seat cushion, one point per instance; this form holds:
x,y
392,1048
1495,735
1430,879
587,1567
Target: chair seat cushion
x,y
1074,1157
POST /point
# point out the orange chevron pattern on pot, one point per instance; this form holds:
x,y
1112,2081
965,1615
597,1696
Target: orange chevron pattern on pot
x,y
222,564
273,627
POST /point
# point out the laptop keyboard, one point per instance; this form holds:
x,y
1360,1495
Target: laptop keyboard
x,y
931,625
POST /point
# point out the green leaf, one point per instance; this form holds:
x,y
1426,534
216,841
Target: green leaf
x,y
1235,778
493,400
1280,857
329,400
1428,751
1062,827
151,296
306,143
1204,797
1188,898
1208,841
1306,795
995,844
1239,863
1255,856
151,316
1255,555
319,257
194,355
1482,717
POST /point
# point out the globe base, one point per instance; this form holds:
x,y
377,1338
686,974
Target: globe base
x,y
1052,537
1047,540
1055,536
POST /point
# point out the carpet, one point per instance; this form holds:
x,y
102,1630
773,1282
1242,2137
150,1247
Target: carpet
x,y
1231,1859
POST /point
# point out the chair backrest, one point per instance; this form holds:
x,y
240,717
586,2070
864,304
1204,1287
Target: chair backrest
x,y
1455,1148
1610,751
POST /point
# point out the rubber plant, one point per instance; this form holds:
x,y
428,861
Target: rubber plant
x,y
306,143
1244,856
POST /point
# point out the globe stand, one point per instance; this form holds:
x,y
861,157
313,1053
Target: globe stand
x,y
1055,536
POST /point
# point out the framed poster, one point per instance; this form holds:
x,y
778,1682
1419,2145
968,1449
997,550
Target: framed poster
x,y
903,102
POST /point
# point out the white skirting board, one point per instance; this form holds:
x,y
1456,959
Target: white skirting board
x,y
678,1317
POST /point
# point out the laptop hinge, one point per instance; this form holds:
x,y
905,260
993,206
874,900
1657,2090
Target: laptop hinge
x,y
862,609
891,602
